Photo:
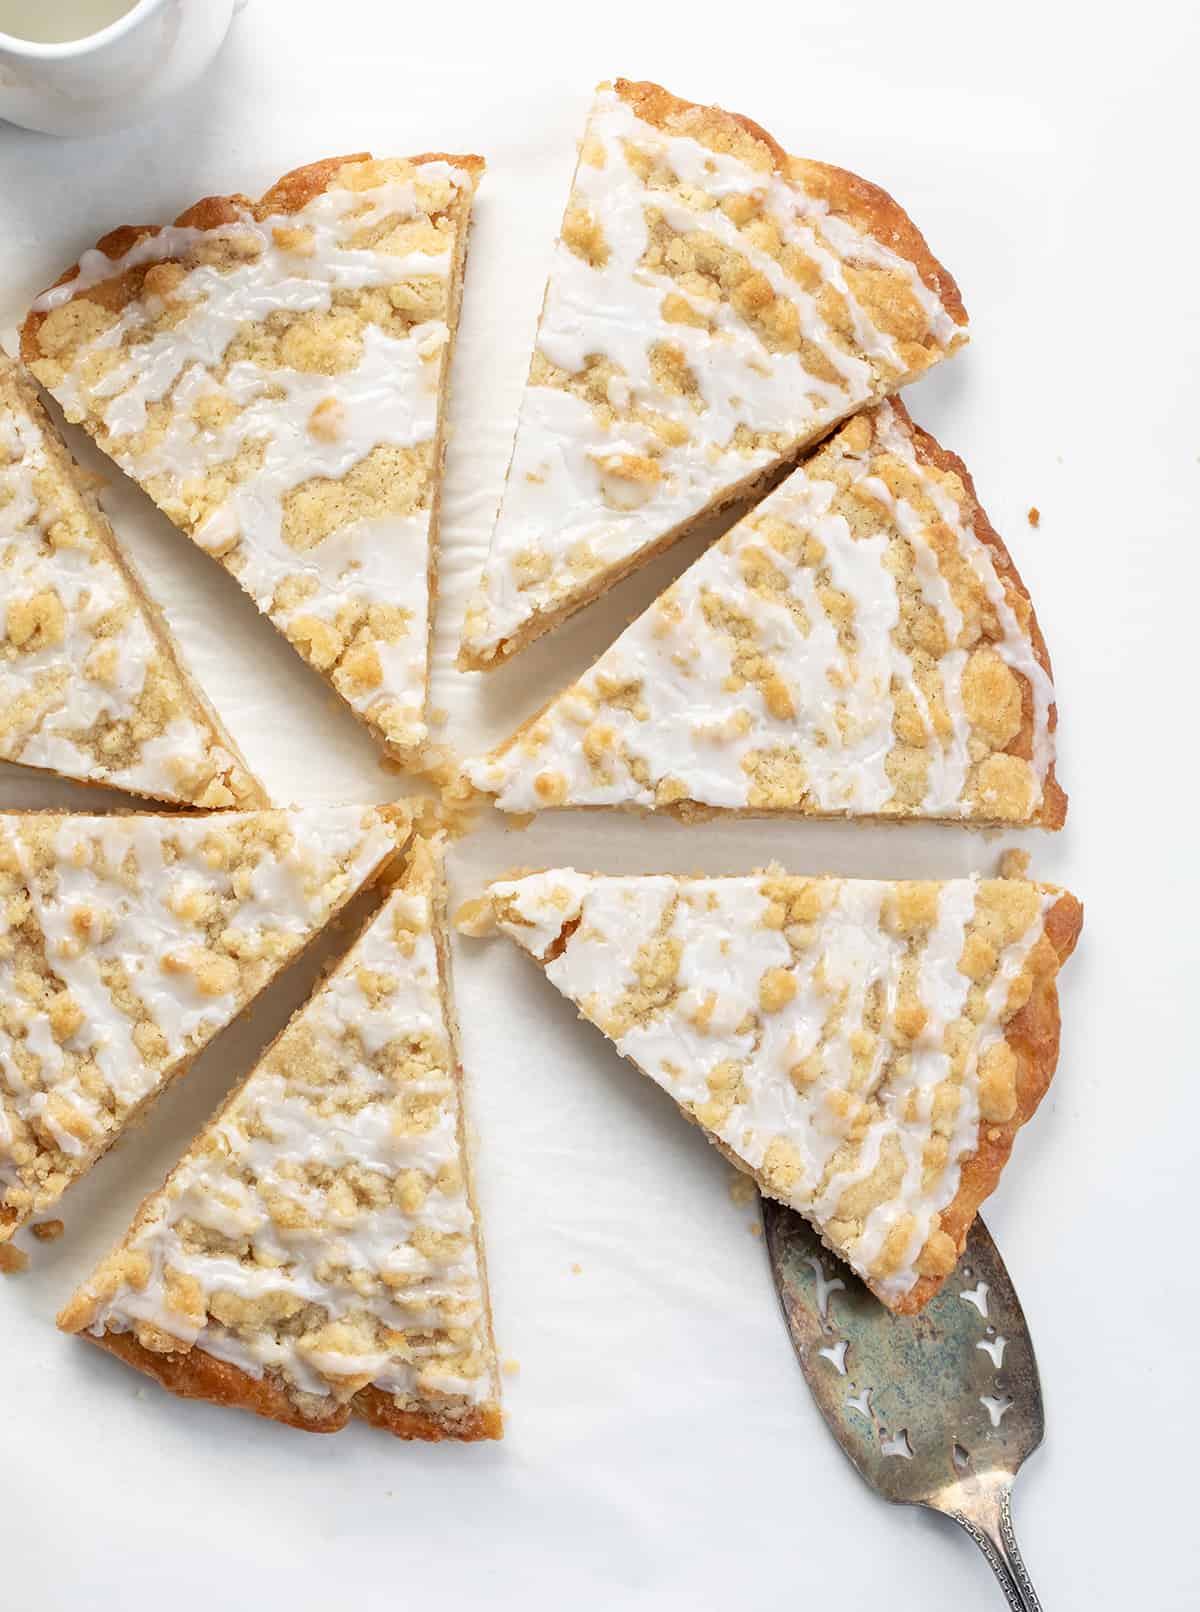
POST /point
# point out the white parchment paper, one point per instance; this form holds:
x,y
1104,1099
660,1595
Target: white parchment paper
x,y
662,1450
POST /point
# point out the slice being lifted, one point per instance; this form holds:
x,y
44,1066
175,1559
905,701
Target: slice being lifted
x,y
316,1252
274,373
126,943
713,306
91,684
859,645
866,1050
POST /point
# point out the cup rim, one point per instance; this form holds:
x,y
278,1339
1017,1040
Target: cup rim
x,y
75,48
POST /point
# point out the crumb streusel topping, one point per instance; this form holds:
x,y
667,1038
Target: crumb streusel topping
x,y
87,687
321,1229
848,648
127,942
844,1040
274,381
712,307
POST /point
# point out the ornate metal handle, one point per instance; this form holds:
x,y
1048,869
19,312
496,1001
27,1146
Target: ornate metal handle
x,y
989,1523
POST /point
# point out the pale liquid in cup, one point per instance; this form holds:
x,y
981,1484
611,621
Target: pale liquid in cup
x,y
59,22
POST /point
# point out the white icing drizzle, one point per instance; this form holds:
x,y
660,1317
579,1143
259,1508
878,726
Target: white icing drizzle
x,y
389,398
396,1281
86,668
853,1097
567,501
106,894
697,730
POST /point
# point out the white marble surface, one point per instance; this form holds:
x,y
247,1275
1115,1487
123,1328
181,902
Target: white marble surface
x,y
662,1450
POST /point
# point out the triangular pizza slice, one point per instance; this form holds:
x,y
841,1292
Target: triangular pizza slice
x,y
127,942
316,1252
274,375
859,645
867,1050
92,686
713,306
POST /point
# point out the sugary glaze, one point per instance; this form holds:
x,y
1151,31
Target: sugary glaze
x,y
91,685
713,305
860,644
867,1050
127,942
273,374
319,1237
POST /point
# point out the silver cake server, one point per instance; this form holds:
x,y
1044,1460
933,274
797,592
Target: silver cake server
x,y
937,1409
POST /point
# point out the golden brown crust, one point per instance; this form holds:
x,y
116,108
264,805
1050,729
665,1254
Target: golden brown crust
x,y
294,191
287,195
192,1374
1033,1034
112,294
1053,809
458,269
878,214
866,205
196,1375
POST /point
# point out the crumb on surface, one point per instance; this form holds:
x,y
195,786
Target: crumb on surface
x,y
13,1260
511,1368
48,1231
1014,863
476,917
1035,515
576,1268
742,1189
756,1228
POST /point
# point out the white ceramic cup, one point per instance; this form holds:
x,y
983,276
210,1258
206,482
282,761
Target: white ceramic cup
x,y
117,76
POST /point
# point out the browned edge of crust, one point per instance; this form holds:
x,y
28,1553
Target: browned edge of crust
x,y
12,1220
1033,1034
192,1373
1052,812
878,214
14,378
288,194
196,1375
867,205
380,1410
